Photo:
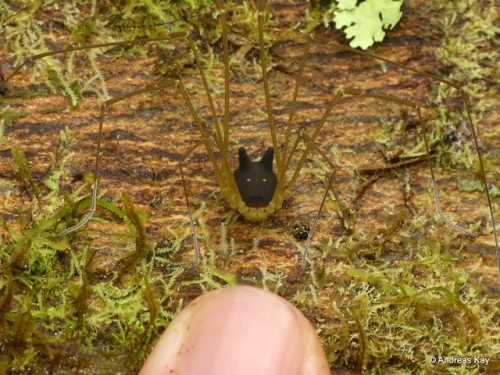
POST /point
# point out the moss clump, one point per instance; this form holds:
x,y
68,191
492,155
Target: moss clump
x,y
56,307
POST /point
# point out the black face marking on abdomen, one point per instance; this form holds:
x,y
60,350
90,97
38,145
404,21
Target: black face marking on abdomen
x,y
256,180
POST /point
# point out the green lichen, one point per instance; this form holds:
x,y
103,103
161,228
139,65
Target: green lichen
x,y
362,22
365,22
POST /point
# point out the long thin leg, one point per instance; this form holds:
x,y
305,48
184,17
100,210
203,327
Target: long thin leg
x,y
365,94
433,179
219,136
186,195
328,189
33,58
288,153
483,176
337,97
263,62
103,109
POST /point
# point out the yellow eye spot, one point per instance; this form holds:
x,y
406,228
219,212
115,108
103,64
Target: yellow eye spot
x,y
264,180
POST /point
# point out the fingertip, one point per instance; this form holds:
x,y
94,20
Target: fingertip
x,y
238,330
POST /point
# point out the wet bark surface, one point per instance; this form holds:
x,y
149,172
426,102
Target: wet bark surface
x,y
383,207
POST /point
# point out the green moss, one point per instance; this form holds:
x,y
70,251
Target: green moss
x,y
23,171
88,22
52,307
